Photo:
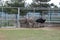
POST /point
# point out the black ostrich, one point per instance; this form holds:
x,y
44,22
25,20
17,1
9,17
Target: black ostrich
x,y
41,20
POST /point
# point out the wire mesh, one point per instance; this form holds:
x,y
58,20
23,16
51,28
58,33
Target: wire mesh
x,y
9,16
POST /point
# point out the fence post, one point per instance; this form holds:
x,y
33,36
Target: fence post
x,y
18,18
49,16
2,17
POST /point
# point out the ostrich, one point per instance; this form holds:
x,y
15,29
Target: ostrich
x,y
41,21
31,22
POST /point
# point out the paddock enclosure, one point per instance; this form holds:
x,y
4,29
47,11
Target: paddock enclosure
x,y
20,17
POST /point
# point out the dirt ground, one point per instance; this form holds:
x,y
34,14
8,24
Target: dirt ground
x,y
2,36
45,28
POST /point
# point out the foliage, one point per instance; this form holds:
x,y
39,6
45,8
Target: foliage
x,y
23,12
42,0
0,9
16,3
21,3
38,4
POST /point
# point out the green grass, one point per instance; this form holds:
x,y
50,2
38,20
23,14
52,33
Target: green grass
x,y
31,34
7,22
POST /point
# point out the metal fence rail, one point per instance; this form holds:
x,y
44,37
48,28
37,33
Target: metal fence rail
x,y
10,20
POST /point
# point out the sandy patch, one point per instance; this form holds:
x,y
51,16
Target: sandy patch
x,y
2,36
44,28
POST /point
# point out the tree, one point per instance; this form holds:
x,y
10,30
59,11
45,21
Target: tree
x,y
42,4
54,5
41,0
16,3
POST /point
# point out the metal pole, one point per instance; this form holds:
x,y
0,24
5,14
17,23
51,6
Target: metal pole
x,y
34,18
34,12
49,15
2,14
53,14
49,18
18,18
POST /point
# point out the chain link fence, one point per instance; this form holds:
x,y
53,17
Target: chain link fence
x,y
9,17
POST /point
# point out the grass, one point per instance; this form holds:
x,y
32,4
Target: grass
x,y
30,34
7,22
